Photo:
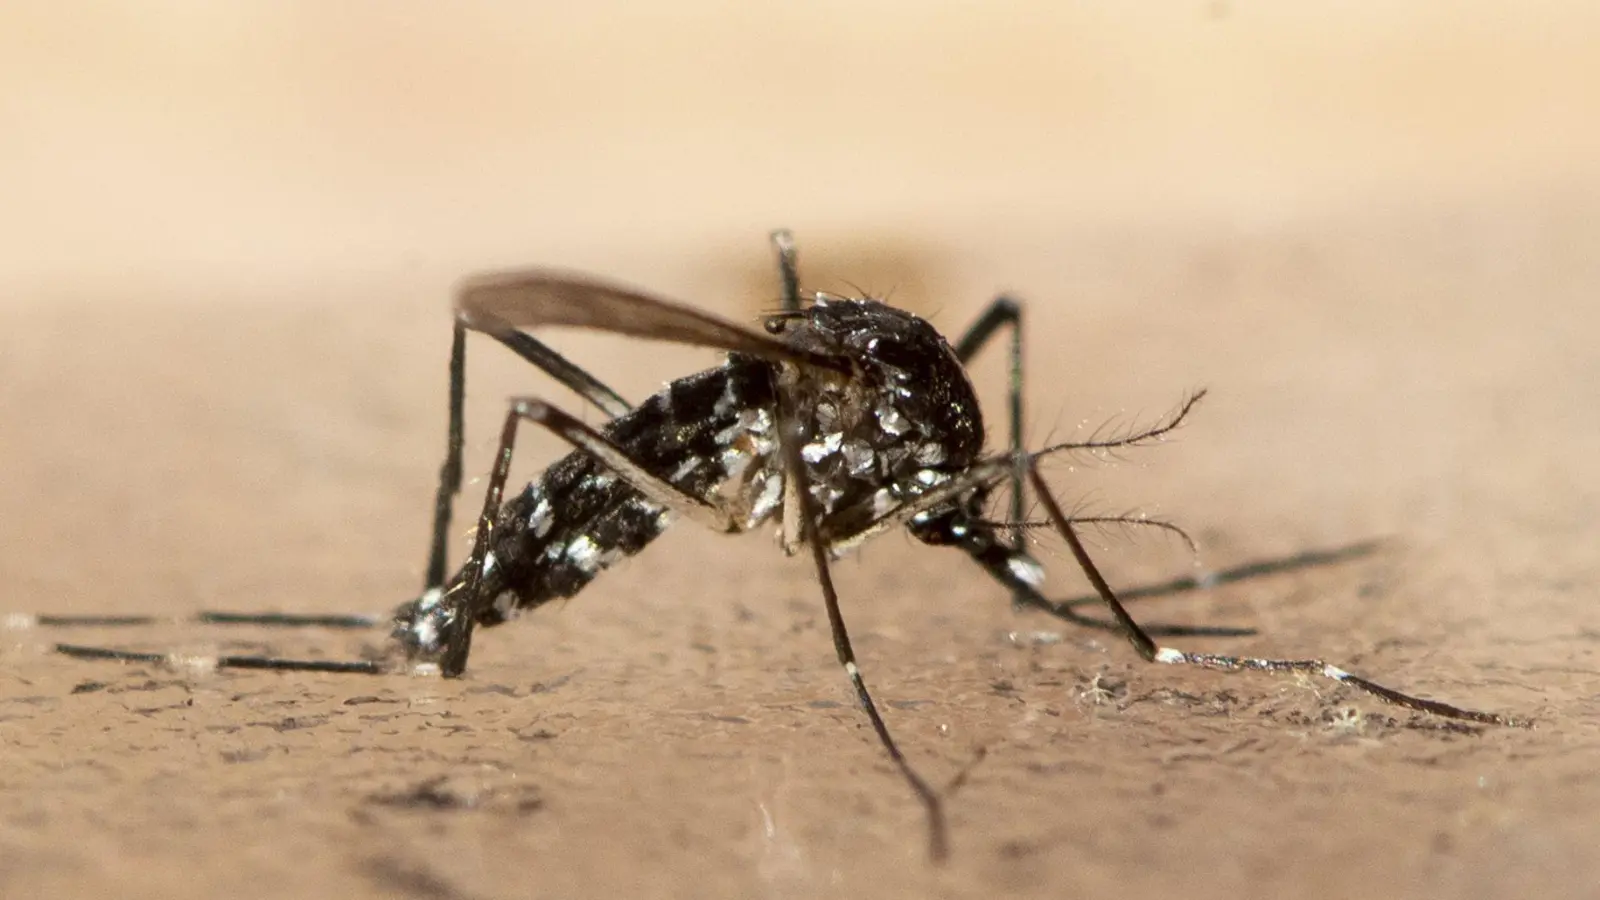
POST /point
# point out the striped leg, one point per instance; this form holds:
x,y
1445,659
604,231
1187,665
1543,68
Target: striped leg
x,y
1153,652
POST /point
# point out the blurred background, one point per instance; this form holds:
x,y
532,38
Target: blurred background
x,y
252,213
153,147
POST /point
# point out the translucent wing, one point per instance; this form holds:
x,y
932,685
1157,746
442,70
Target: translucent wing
x,y
531,298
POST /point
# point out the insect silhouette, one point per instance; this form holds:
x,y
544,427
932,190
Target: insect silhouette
x,y
844,419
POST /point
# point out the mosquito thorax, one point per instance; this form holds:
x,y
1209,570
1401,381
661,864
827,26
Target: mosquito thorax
x,y
909,419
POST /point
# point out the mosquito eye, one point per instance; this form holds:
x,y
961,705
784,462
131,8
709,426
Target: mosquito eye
x,y
776,325
899,355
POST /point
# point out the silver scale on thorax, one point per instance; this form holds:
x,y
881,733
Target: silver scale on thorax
x,y
861,446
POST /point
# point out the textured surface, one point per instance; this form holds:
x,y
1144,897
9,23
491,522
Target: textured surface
x,y
222,385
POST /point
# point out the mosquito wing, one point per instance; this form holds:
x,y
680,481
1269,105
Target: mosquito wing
x,y
504,301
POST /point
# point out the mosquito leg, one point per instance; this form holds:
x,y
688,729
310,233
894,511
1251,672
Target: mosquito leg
x,y
710,513
530,349
791,440
938,841
789,534
22,621
463,605
1153,652
178,660
853,524
1012,570
788,271
450,470
547,360
295,620
1134,438
358,667
353,621
207,617
931,518
1003,311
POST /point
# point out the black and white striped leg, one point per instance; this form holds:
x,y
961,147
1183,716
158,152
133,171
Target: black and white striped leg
x,y
792,439
938,840
1153,652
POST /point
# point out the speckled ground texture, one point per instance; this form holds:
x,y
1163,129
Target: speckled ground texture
x,y
222,386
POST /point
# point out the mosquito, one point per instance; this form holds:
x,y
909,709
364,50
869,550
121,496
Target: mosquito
x,y
846,418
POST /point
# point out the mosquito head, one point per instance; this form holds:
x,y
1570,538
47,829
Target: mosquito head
x,y
906,419
911,379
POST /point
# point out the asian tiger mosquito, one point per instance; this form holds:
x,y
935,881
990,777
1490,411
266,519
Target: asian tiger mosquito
x,y
864,405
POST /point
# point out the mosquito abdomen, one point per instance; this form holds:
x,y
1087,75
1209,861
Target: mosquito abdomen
x,y
579,517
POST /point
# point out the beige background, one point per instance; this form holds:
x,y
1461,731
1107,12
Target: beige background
x,y
228,236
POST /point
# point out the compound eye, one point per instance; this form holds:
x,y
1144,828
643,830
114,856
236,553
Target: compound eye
x,y
902,356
